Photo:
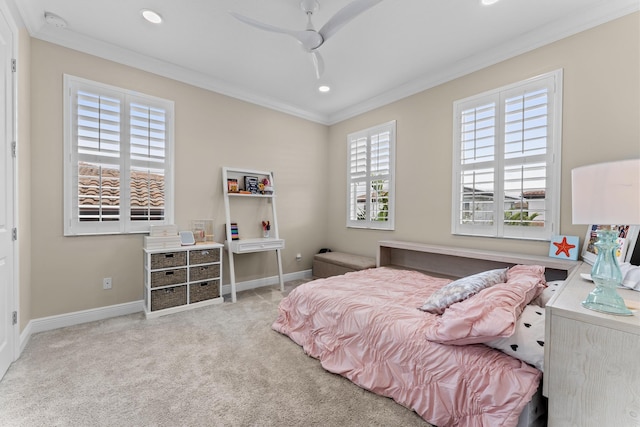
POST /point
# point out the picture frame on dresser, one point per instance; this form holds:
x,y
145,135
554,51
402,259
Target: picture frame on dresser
x,y
627,235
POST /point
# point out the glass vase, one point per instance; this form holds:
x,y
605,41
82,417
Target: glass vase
x,y
607,276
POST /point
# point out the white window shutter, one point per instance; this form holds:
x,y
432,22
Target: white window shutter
x,y
370,176
506,160
118,152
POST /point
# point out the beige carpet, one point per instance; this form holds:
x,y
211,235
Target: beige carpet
x,y
216,366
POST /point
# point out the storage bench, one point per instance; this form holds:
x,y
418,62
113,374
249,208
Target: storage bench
x,y
335,263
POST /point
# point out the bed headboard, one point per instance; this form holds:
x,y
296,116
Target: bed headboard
x,y
453,263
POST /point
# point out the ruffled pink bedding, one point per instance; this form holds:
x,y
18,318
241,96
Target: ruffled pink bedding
x,y
367,327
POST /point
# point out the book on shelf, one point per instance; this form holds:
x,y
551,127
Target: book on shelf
x,y
234,231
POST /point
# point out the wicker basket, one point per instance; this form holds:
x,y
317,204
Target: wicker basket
x,y
204,256
168,260
168,297
168,277
203,291
204,272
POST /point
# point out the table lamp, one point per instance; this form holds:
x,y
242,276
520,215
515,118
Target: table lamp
x,y
605,194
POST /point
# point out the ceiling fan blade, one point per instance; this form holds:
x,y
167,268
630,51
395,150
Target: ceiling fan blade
x,y
307,38
344,15
318,63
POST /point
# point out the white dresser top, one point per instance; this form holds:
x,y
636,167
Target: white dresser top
x,y
567,303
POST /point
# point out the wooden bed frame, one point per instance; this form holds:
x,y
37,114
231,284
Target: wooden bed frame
x,y
444,261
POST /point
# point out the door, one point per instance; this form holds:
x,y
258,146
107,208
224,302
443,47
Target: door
x,y
7,173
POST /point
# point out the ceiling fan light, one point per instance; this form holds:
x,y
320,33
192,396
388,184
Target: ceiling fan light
x,y
151,16
324,88
488,2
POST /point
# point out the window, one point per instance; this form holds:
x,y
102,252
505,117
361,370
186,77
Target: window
x,y
506,160
370,176
118,159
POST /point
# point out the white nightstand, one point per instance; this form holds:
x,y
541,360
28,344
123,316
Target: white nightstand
x,y
592,360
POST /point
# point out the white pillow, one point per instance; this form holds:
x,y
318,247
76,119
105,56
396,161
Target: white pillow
x,y
548,292
527,342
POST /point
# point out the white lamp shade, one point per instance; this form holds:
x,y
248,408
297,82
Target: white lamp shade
x,y
606,193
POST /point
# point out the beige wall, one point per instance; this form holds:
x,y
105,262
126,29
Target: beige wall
x,y
601,122
601,111
211,131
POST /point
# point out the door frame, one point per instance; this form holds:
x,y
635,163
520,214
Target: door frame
x,y
12,122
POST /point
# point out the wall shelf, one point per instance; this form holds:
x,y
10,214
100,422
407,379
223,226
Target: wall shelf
x,y
250,245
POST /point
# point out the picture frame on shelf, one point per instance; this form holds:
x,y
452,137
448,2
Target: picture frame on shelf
x,y
627,237
251,184
232,185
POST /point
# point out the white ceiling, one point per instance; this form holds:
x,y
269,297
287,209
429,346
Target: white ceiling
x,y
395,49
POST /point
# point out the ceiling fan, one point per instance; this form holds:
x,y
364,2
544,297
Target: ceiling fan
x,y
309,38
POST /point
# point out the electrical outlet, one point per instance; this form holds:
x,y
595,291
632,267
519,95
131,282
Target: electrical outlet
x,y
106,283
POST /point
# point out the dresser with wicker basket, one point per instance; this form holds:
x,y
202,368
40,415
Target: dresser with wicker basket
x,y
177,279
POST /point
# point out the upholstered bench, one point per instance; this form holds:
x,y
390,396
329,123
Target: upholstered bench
x,y
335,263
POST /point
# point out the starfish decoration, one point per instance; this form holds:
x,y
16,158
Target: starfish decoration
x,y
564,246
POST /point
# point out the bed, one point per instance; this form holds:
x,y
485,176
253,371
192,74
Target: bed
x,y
370,327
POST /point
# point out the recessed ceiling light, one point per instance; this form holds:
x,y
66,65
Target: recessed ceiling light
x,y
488,2
151,16
324,88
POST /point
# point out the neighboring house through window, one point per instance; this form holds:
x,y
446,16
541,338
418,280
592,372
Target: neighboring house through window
x,y
506,160
370,177
118,159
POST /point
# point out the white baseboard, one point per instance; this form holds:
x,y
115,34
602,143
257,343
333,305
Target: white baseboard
x,y
76,318
266,281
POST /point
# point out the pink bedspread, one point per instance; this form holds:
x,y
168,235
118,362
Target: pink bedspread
x,y
366,326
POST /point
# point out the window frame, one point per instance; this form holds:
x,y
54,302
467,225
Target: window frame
x,y
124,225
552,159
369,223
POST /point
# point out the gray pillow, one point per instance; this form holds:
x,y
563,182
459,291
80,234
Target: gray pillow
x,y
462,289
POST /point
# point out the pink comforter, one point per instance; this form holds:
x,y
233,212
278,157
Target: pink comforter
x,y
366,326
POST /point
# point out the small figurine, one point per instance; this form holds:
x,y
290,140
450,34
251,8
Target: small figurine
x,y
265,186
266,227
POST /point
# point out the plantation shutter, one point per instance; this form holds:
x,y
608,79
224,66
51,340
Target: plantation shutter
x,y
97,159
477,166
370,177
118,150
358,155
380,176
506,160
148,162
526,135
